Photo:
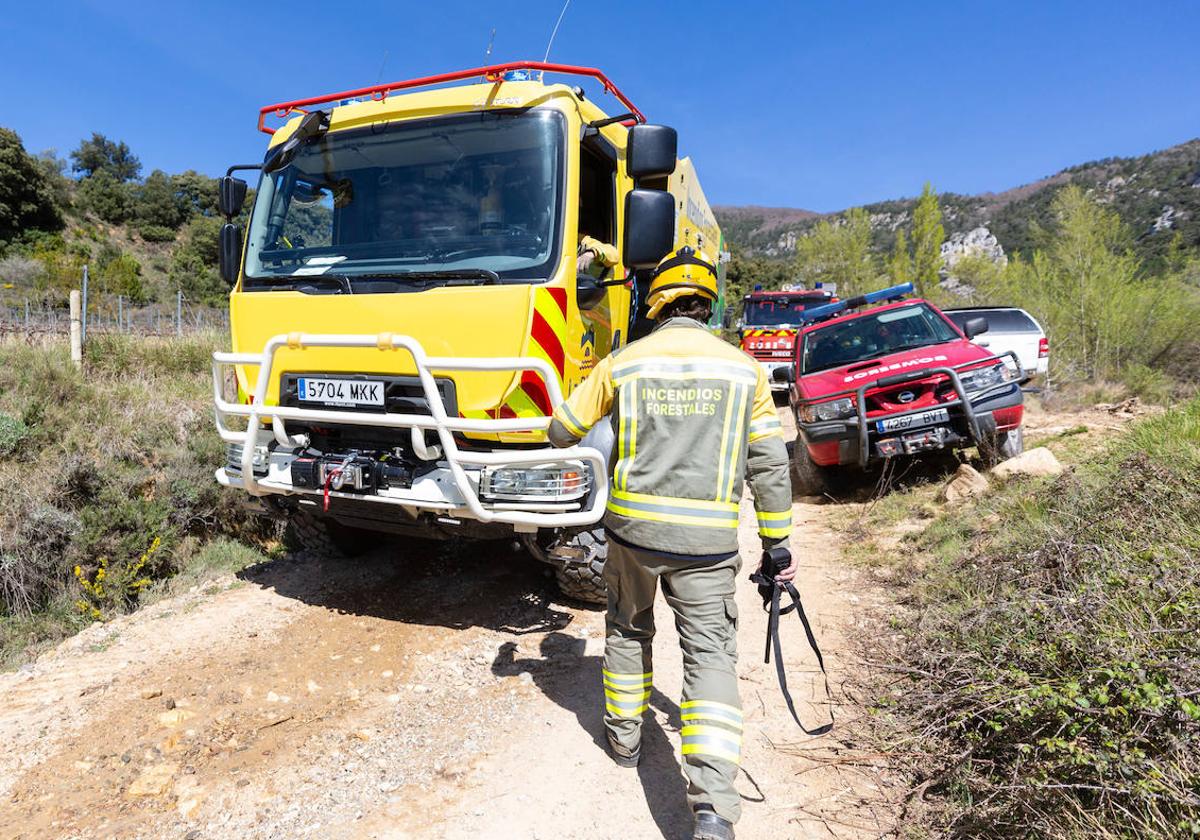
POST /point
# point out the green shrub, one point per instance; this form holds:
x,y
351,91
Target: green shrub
x,y
12,433
114,494
156,233
1051,676
1150,384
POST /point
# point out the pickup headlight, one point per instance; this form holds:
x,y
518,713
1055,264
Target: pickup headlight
x,y
558,483
822,412
978,380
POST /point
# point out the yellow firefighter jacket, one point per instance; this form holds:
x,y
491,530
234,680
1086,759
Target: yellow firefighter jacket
x,y
693,419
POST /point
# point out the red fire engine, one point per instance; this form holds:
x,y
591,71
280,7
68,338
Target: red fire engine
x,y
770,321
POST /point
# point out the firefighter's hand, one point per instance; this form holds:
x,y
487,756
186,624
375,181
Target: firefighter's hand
x,y
785,574
790,572
583,262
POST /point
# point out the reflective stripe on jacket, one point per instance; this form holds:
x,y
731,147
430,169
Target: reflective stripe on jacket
x,y
693,419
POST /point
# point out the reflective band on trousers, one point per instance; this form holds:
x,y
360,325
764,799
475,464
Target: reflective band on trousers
x,y
707,710
714,741
775,524
626,695
708,514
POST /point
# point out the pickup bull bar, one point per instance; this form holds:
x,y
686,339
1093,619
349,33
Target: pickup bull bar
x,y
911,376
437,420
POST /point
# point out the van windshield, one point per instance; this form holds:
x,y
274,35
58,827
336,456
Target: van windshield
x,y
470,193
779,311
873,336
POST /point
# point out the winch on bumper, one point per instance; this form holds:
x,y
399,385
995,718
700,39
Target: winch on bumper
x,y
971,417
528,488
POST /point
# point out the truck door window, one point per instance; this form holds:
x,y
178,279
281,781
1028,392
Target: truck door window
x,y
597,212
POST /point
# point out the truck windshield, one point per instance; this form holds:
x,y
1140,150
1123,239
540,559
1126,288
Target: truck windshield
x,y
465,193
872,336
775,312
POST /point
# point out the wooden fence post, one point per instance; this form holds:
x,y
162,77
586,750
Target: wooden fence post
x,y
76,330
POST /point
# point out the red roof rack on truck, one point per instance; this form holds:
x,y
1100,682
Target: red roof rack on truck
x,y
491,73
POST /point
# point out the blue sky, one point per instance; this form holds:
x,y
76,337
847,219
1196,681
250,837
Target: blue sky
x,y
820,105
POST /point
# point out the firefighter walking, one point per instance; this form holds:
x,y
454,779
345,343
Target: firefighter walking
x,y
693,419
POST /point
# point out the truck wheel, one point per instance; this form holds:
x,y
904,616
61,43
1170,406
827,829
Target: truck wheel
x,y
808,479
578,561
1003,446
326,537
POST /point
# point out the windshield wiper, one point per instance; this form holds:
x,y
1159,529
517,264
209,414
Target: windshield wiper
x,y
463,276
292,282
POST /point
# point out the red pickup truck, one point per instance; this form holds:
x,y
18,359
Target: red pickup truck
x,y
896,379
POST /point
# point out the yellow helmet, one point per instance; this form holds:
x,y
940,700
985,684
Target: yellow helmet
x,y
685,272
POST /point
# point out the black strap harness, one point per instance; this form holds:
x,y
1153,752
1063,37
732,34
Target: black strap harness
x,y
774,561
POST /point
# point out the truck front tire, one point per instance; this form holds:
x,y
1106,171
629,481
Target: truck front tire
x,y
578,561
326,537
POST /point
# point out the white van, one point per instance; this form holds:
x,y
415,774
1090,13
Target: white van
x,y
1009,328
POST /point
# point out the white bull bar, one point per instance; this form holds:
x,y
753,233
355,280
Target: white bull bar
x,y
437,420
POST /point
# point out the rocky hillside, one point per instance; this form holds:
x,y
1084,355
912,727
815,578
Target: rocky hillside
x,y
1157,195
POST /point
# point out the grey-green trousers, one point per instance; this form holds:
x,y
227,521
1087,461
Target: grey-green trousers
x,y
702,596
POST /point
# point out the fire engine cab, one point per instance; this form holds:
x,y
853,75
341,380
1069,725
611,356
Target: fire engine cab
x,y
771,320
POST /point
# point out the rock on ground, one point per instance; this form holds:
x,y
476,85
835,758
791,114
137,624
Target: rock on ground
x,y
1039,461
966,483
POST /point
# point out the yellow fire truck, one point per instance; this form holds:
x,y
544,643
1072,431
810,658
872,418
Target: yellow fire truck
x,y
406,309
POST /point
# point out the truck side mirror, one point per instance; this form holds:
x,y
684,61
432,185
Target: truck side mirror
x,y
650,151
784,374
588,292
974,327
231,195
231,252
649,227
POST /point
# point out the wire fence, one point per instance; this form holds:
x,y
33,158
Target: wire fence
x,y
113,314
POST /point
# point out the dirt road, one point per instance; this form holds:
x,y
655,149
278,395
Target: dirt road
x,y
440,691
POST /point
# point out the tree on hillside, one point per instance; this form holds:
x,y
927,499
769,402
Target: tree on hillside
x,y
900,263
927,237
197,193
26,199
54,170
103,155
157,202
1087,288
107,197
194,262
839,252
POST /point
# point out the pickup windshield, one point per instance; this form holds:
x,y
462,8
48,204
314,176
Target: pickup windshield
x,y
461,194
777,312
872,336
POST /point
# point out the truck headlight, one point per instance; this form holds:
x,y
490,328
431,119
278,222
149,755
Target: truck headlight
x,y
978,380
560,482
822,412
233,459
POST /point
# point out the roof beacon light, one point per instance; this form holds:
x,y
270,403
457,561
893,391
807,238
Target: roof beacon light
x,y
890,294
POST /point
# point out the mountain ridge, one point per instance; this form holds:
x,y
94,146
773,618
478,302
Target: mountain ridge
x,y
1157,195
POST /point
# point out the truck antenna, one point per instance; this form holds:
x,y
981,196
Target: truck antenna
x,y
550,43
382,65
487,56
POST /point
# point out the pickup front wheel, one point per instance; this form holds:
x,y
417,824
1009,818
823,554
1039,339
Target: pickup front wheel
x,y
1003,446
808,479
